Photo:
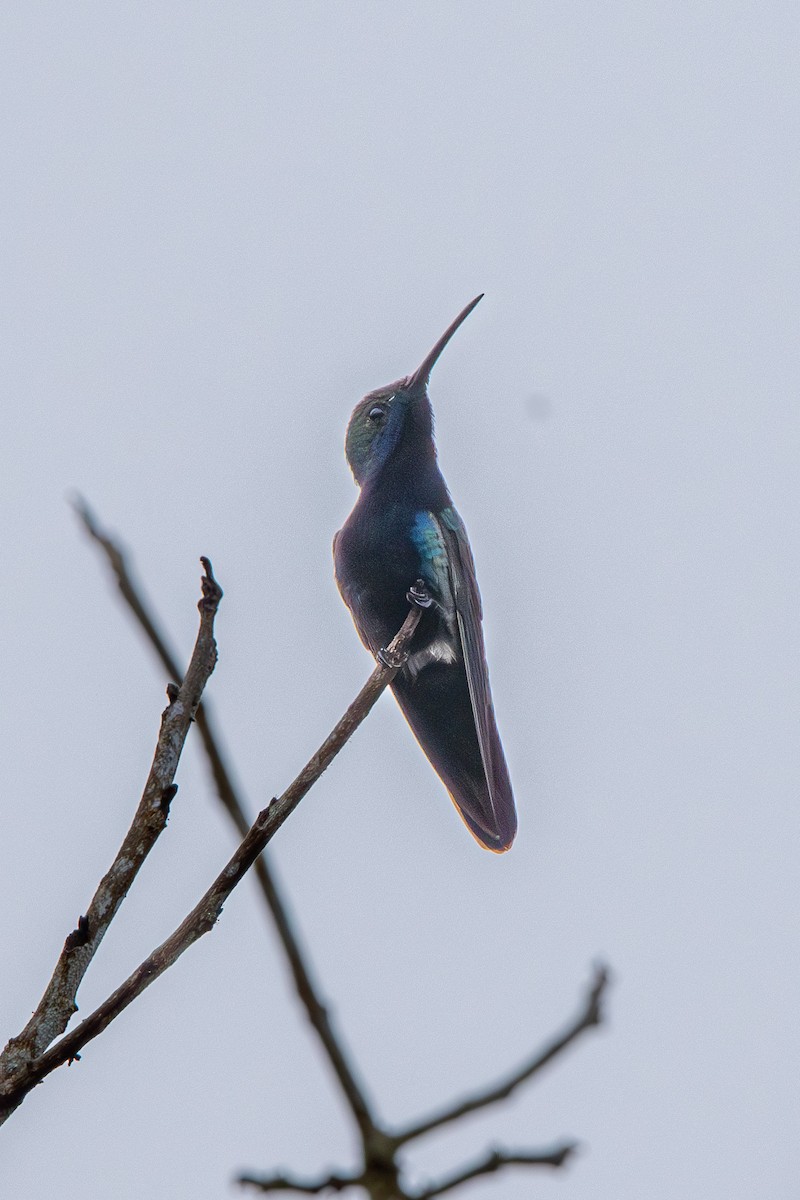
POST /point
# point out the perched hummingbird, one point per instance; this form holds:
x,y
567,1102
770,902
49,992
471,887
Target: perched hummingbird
x,y
404,542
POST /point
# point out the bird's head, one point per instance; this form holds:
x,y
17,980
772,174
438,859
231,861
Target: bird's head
x,y
391,417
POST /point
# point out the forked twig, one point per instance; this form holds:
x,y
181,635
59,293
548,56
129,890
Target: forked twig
x,y
228,794
204,915
58,1002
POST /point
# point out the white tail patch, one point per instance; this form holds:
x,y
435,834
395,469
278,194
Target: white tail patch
x,y
438,651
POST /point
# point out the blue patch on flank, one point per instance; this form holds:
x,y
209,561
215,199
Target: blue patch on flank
x,y
427,538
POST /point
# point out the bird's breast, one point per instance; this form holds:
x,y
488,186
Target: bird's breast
x,y
380,553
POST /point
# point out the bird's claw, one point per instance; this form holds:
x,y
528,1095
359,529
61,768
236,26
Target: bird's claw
x,y
418,594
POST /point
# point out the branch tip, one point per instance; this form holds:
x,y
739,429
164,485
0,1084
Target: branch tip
x,y
212,592
496,1160
594,1006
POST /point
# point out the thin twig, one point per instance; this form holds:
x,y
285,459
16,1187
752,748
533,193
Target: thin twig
x,y
495,1160
204,915
58,1002
306,988
308,1187
589,1016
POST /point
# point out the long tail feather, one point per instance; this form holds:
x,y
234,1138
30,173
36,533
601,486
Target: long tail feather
x,y
438,708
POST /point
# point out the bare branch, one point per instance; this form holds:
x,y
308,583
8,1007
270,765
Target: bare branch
x,y
58,1002
309,1187
204,915
380,1177
385,1182
589,1016
495,1160
117,560
306,988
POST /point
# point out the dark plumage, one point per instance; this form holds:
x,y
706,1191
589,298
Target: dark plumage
x,y
404,528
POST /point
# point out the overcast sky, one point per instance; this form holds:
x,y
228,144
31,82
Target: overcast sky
x,y
222,224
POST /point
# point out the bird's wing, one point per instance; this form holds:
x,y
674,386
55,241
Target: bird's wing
x,y
469,615
431,545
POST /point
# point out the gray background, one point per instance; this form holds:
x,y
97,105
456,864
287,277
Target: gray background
x,y
222,224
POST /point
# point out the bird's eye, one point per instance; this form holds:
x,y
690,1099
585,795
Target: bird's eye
x,y
376,414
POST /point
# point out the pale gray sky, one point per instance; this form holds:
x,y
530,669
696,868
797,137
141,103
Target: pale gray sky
x,y
222,224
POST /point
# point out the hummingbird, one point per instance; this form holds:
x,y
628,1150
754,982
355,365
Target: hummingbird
x,y
405,543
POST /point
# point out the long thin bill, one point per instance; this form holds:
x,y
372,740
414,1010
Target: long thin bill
x,y
423,371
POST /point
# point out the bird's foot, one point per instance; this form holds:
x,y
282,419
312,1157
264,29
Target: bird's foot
x,y
387,659
418,594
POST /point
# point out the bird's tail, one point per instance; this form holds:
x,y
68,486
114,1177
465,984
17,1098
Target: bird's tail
x,y
438,708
